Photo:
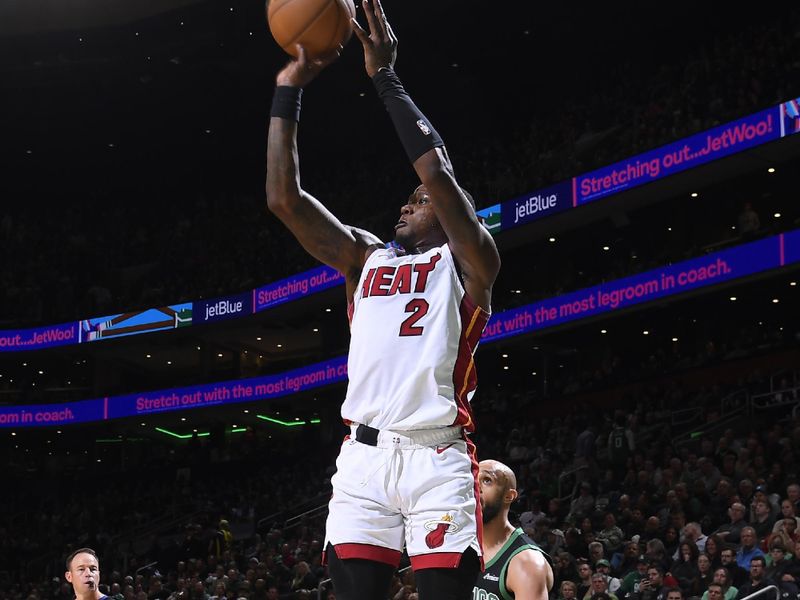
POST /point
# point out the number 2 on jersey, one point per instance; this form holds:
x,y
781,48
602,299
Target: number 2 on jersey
x,y
418,307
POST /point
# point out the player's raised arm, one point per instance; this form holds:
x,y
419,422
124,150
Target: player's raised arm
x,y
315,227
471,244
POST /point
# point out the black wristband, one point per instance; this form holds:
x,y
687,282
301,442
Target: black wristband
x,y
286,103
414,130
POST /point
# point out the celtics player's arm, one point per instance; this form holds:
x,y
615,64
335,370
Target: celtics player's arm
x,y
529,576
322,235
472,246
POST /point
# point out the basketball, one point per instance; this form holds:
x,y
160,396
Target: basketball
x,y
320,26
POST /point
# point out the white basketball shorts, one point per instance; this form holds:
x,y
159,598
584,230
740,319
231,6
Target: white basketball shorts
x,y
413,490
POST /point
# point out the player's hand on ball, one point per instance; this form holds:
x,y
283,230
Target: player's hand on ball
x,y
380,44
303,70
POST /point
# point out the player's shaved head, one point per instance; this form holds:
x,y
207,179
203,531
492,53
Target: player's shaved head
x,y
504,475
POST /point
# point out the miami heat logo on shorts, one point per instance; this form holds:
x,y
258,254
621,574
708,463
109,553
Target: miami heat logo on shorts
x,y
438,528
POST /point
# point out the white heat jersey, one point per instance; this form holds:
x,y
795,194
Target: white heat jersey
x,y
413,332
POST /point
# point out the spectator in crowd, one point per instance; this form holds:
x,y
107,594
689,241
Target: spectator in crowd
x,y
749,548
685,568
693,532
652,587
603,567
713,548
567,590
624,562
596,552
738,575
761,520
582,505
585,574
758,579
704,576
611,535
714,592
631,582
599,586
722,580
731,532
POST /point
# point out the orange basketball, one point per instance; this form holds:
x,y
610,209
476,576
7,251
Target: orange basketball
x,y
319,25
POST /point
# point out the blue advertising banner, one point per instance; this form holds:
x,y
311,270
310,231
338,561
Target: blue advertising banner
x,y
219,309
20,340
44,415
658,283
136,322
296,287
542,204
197,396
673,158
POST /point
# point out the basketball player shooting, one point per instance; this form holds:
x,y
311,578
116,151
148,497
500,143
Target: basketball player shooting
x,y
406,475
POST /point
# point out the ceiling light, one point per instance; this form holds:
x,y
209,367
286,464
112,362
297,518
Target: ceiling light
x,y
771,170
777,215
733,298
645,332
694,194
552,239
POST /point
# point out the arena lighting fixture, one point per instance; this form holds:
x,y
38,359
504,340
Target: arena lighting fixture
x,y
505,355
695,194
280,345
775,300
645,332
186,436
327,310
219,354
258,339
552,239
294,423
604,331
793,283
733,298
505,368
606,248
674,339
771,170
148,356
315,330
533,373
777,215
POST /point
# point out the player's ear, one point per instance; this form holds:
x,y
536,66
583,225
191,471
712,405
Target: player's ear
x,y
511,495
68,576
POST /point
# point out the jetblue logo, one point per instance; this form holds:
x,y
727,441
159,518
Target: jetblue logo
x,y
533,205
222,308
